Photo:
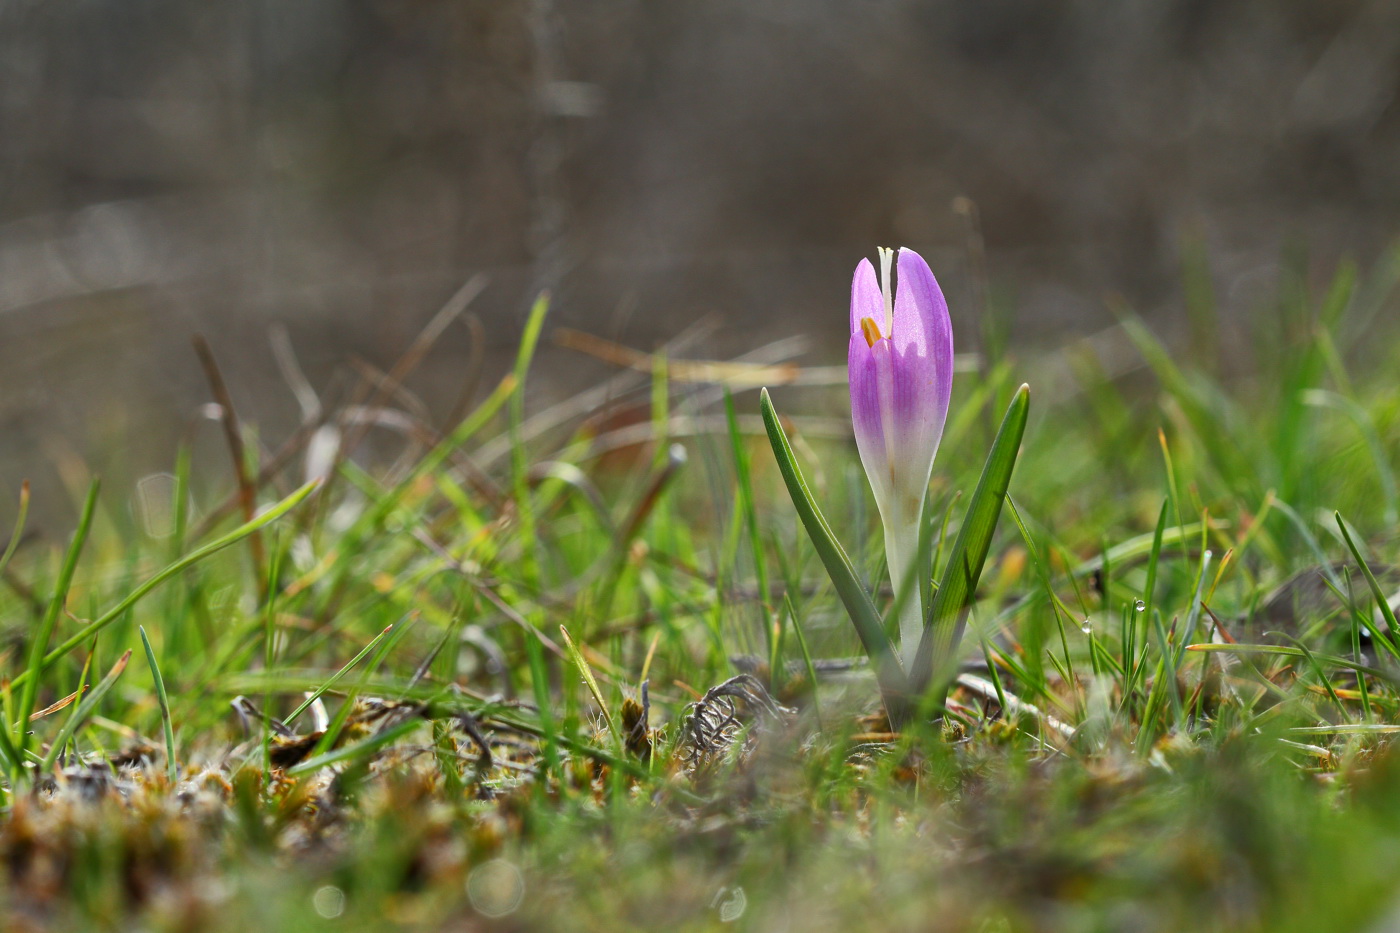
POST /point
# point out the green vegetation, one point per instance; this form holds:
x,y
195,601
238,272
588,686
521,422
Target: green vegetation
x,y
583,669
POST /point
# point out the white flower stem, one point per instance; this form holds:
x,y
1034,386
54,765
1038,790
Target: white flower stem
x,y
901,554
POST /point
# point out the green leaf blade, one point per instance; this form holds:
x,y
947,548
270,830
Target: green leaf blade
x,y
266,517
947,616
894,685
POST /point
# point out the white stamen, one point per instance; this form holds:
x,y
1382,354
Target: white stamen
x,y
887,287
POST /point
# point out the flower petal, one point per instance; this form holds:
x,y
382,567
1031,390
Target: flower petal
x,y
866,300
867,410
922,329
919,407
920,311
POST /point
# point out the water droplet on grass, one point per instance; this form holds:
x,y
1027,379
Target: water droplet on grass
x,y
1139,606
1086,626
329,902
496,887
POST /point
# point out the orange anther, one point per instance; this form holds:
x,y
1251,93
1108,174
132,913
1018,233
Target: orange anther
x,y
870,329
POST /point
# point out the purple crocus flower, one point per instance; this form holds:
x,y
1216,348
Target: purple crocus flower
x,y
901,374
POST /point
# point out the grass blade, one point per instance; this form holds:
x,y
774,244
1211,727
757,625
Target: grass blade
x,y
1321,398
331,681
19,526
189,560
171,770
84,710
519,460
806,658
1381,599
894,685
1287,651
588,679
743,476
51,613
359,749
948,615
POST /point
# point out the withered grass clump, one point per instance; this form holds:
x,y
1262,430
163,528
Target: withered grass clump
x,y
112,843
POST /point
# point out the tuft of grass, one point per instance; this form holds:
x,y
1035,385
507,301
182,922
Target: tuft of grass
x,y
388,717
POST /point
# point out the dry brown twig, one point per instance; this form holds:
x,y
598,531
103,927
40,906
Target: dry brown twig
x,y
233,435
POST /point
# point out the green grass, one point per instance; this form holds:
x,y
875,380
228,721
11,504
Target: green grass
x,y
1180,677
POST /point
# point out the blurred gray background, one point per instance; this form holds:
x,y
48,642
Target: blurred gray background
x,y
172,166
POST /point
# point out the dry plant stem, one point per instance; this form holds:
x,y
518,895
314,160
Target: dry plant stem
x,y
284,354
247,491
604,670
426,437
1014,705
418,431
699,395
979,284
472,379
274,465
314,417
389,388
491,595
405,364
585,402
701,425
427,337
735,374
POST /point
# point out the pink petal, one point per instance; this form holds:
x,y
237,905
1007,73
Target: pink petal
x,y
867,409
866,299
920,311
923,334
920,407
